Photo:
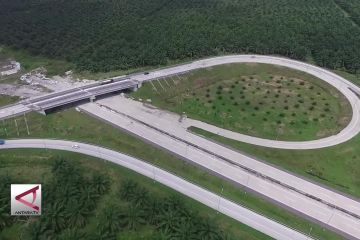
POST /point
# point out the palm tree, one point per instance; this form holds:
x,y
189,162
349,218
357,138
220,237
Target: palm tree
x,y
152,210
66,172
110,220
71,234
208,231
101,183
49,191
184,230
4,217
133,217
69,192
164,234
140,196
168,219
36,230
5,182
4,196
59,165
185,213
102,234
127,189
174,203
89,196
77,214
55,217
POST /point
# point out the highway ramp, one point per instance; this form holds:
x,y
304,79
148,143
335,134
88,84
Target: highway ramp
x,y
332,209
348,89
231,209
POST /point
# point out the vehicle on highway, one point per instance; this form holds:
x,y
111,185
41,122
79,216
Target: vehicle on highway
x,y
146,73
75,146
107,81
2,142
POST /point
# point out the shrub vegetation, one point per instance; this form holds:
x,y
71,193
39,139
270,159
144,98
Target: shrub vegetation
x,y
104,35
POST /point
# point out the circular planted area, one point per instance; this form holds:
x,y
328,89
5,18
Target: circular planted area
x,y
255,99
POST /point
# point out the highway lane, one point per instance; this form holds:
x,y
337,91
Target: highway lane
x,y
347,88
13,110
163,129
334,218
235,211
336,81
78,94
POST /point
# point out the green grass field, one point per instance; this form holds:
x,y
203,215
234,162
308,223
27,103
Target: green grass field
x,y
37,165
77,126
337,167
355,78
5,100
255,99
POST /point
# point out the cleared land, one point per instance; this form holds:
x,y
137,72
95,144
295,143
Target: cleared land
x,y
337,167
255,99
53,66
106,182
75,126
30,62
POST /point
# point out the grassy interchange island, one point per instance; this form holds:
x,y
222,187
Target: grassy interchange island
x,y
255,99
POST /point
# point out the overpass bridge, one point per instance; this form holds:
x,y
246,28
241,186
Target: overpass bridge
x,y
90,91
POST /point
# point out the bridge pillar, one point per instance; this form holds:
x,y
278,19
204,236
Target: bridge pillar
x,y
138,85
41,112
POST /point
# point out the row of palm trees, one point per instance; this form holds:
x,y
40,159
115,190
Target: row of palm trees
x,y
169,216
70,199
113,35
5,219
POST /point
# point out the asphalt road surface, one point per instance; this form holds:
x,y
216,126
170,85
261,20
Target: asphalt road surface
x,y
347,88
220,204
332,209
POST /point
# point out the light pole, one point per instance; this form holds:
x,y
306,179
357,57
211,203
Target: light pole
x,y
218,209
310,233
154,174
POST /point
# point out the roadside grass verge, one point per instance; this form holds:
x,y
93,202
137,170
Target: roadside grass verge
x,y
6,100
72,125
337,167
59,67
354,78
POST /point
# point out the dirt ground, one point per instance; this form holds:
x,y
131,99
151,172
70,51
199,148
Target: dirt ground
x,y
35,83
